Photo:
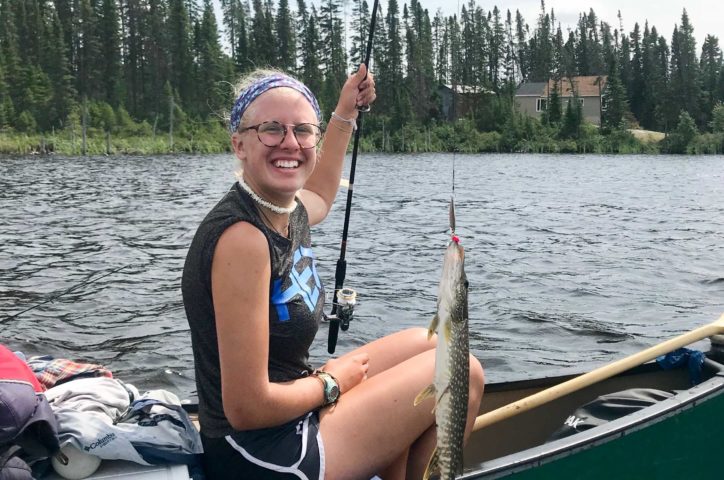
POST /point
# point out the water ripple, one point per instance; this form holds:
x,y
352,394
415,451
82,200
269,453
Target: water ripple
x,y
573,261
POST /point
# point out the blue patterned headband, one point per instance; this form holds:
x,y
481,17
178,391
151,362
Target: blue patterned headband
x,y
252,92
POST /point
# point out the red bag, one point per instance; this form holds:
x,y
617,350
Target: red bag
x,y
14,368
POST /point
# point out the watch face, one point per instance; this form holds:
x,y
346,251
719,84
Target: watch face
x,y
331,389
333,393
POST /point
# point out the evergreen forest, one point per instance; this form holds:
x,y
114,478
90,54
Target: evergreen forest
x,y
157,76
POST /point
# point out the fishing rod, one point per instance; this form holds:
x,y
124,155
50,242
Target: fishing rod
x,y
85,282
344,298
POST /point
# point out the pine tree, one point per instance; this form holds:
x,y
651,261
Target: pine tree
x,y
393,80
286,41
360,30
496,48
156,62
309,54
570,63
456,62
614,100
595,49
334,56
541,48
181,64
666,111
469,53
685,75
554,112
636,88
521,46
624,60
56,65
583,49
10,62
4,98
711,67
109,52
235,21
87,38
262,53
441,45
572,119
511,75
212,66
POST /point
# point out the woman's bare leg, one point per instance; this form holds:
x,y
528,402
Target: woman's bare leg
x,y
395,348
372,426
375,428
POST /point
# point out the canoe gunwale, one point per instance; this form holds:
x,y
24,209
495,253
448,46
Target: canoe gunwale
x,y
548,452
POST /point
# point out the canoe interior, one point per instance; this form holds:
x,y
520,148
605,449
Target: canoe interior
x,y
533,428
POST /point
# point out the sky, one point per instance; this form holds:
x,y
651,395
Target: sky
x,y
707,16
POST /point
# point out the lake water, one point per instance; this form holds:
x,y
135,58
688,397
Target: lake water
x,y
573,261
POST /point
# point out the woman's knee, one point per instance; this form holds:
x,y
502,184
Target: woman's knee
x,y
477,376
419,336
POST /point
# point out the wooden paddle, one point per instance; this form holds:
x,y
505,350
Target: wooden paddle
x,y
597,375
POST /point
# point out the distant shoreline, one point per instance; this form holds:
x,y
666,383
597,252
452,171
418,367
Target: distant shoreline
x,y
410,139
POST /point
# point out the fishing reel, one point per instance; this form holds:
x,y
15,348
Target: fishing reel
x,y
342,314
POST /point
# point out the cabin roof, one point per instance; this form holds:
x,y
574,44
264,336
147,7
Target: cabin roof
x,y
531,89
588,86
466,89
585,86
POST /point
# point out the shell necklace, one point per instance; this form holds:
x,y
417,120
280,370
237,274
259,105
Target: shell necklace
x,y
268,205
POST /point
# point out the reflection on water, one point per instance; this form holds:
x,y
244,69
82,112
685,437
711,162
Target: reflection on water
x,y
572,260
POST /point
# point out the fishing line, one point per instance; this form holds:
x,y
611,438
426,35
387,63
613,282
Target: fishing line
x,y
341,270
88,281
455,147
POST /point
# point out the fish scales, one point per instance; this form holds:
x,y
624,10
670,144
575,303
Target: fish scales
x,y
451,382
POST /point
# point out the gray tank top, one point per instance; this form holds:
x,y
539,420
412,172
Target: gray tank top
x,y
296,301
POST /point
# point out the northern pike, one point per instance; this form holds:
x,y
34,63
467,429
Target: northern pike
x,y
451,383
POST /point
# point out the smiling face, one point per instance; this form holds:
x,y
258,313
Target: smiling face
x,y
276,173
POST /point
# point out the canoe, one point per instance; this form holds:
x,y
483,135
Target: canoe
x,y
672,438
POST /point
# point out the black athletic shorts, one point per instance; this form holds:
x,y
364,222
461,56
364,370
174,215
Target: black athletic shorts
x,y
292,451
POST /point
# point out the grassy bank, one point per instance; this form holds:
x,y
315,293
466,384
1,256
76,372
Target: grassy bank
x,y
462,136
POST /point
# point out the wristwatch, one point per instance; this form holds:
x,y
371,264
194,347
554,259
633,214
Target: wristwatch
x,y
331,387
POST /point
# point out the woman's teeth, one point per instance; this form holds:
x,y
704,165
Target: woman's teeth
x,y
286,163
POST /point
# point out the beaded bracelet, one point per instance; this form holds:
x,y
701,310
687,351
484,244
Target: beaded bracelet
x,y
351,121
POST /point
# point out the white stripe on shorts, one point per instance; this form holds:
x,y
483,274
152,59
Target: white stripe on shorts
x,y
294,469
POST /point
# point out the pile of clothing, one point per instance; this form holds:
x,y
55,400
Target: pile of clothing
x,y
47,404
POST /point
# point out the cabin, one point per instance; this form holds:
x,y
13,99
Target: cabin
x,y
532,98
465,98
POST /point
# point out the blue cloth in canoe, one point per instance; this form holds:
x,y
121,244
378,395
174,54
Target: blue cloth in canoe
x,y
692,359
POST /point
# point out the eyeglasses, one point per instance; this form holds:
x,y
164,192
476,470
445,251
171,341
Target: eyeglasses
x,y
273,133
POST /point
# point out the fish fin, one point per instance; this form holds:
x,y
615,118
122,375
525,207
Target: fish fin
x,y
433,466
433,326
428,392
447,331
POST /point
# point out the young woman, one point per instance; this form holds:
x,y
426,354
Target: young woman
x,y
254,302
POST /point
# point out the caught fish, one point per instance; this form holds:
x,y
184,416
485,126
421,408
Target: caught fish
x,y
451,383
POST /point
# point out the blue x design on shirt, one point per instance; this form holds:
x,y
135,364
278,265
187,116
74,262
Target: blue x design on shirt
x,y
305,284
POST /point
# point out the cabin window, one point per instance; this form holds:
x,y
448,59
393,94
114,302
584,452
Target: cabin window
x,y
541,104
